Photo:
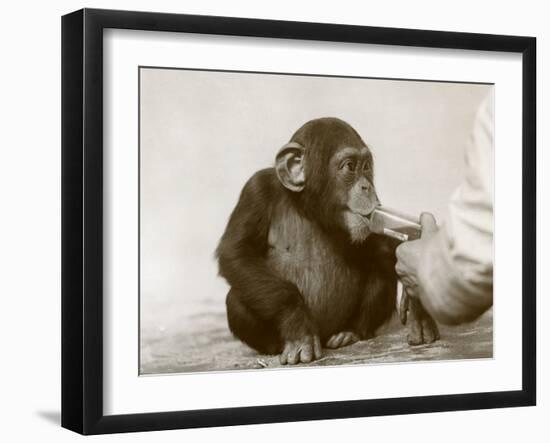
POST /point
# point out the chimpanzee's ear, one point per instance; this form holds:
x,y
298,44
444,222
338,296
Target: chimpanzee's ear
x,y
289,165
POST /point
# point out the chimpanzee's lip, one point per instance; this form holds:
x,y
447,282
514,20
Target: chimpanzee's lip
x,y
364,218
362,214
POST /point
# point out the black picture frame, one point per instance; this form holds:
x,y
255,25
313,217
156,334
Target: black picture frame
x,y
82,220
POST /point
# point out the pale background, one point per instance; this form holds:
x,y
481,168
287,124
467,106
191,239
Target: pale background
x,y
203,134
30,190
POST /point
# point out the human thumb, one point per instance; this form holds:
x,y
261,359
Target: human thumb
x,y
429,225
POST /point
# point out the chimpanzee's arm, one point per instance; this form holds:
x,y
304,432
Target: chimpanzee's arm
x,y
377,303
242,255
379,297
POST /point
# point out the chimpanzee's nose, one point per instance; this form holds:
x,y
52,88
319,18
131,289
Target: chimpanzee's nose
x,y
364,184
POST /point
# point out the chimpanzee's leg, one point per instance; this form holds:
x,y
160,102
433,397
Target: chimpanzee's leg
x,y
249,328
376,306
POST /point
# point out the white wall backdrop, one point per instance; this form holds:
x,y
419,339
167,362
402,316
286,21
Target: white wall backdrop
x,y
30,222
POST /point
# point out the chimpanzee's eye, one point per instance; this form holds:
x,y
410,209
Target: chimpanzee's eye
x,y
348,166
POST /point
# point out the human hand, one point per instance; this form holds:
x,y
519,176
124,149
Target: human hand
x,y
409,253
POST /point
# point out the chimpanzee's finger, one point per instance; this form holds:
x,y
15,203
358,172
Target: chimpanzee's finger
x,y
415,336
283,356
293,354
404,307
317,352
349,338
414,324
338,340
306,354
430,331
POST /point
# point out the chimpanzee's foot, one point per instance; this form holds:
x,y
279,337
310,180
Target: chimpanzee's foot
x,y
302,350
341,339
422,328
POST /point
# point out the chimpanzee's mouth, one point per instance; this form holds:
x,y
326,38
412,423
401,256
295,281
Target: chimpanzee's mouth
x,y
363,214
363,209
358,225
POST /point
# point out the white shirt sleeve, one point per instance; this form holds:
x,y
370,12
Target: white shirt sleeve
x,y
456,270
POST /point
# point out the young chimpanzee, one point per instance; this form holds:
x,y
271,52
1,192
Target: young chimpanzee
x,y
304,269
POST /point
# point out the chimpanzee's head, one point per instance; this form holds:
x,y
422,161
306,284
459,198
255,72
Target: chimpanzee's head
x,y
331,168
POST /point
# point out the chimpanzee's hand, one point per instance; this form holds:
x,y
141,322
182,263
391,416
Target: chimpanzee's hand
x,y
421,326
302,350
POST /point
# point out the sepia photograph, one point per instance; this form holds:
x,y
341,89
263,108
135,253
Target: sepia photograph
x,y
299,220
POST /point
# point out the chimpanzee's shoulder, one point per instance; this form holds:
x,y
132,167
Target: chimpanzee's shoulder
x,y
264,184
380,244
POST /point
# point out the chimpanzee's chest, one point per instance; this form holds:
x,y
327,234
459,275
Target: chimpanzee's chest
x,y
302,254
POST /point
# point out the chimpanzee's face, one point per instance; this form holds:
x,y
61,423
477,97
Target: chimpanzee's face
x,y
330,166
351,175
